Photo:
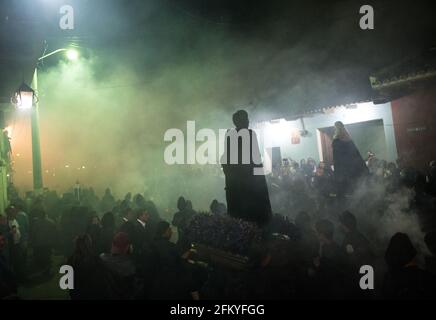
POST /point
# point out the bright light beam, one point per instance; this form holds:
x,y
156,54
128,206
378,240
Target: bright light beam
x,y
72,54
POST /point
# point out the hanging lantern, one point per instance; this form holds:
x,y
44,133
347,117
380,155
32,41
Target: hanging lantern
x,y
24,97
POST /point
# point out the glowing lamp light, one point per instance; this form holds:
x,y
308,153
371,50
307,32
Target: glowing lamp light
x,y
72,54
8,131
24,97
276,132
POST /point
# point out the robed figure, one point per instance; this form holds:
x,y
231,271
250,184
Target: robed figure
x,y
349,166
246,189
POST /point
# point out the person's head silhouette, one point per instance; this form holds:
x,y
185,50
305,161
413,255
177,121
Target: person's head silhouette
x,y
240,119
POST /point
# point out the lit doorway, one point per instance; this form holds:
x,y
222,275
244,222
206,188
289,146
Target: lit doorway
x,y
367,136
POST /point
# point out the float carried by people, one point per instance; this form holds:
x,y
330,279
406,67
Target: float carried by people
x,y
223,241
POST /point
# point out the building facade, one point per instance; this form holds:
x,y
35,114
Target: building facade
x,y
371,127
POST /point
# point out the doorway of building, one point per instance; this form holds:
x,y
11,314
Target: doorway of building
x,y
367,136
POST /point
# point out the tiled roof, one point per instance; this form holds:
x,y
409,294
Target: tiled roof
x,y
414,69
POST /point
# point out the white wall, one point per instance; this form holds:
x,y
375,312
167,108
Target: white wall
x,y
278,133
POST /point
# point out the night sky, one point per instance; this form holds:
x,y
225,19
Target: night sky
x,y
284,49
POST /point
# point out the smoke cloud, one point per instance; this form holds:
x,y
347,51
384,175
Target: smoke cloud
x,y
103,117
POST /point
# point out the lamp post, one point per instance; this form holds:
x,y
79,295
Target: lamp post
x,y
36,148
26,98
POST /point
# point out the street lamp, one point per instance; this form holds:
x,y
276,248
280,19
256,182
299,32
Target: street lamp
x,y
26,98
72,54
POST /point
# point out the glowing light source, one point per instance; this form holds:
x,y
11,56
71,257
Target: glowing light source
x,y
9,130
72,54
24,97
277,131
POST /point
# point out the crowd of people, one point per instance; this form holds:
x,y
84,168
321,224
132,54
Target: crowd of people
x,y
313,247
312,184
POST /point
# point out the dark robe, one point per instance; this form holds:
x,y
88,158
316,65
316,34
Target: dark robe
x,y
246,193
332,273
8,283
139,236
124,283
172,279
348,165
181,220
92,280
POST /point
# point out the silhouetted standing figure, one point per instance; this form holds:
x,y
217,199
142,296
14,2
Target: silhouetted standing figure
x,y
348,163
246,189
